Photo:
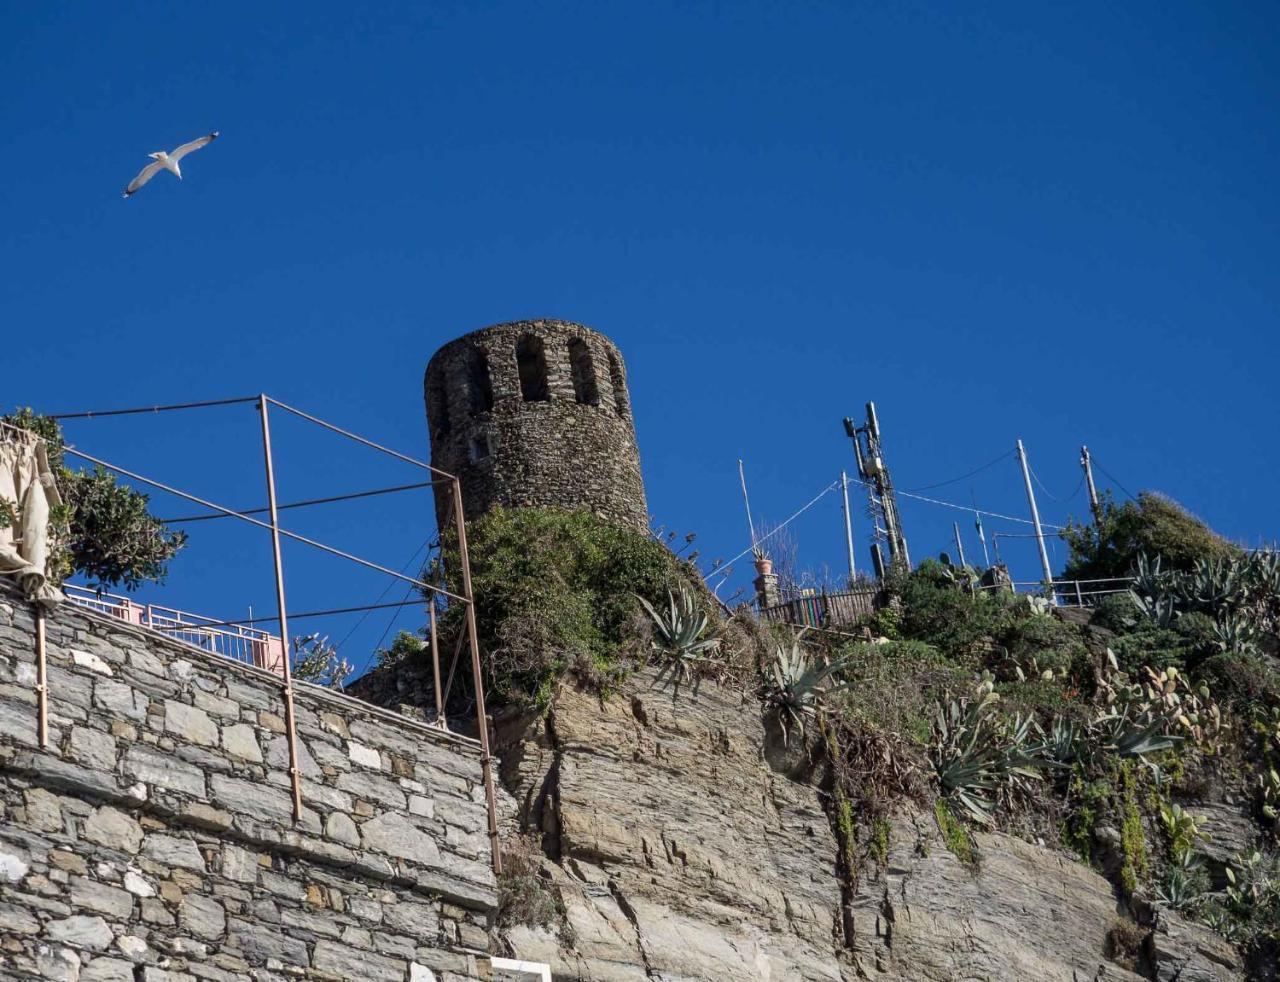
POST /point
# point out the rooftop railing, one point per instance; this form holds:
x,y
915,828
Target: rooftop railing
x,y
247,645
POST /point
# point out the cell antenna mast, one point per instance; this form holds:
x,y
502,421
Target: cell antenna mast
x,y
875,474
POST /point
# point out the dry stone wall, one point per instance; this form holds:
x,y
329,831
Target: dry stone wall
x,y
154,839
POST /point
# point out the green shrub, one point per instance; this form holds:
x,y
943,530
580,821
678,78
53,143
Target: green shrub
x,y
405,647
895,686
1158,647
1044,643
1242,682
963,626
557,589
1153,524
1117,612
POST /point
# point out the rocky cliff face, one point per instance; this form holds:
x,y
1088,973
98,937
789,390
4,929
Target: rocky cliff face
x,y
679,853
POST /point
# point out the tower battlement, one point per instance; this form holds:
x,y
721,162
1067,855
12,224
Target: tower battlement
x,y
535,413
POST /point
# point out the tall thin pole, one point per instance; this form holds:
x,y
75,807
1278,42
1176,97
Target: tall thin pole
x,y
290,722
42,681
959,543
1095,505
435,664
751,526
848,527
1035,519
473,638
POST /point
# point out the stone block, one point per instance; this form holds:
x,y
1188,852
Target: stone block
x,y
93,663
104,899
394,835
81,931
93,748
241,740
202,916
173,851
114,829
373,787
107,970
43,810
163,770
351,963
119,699
190,723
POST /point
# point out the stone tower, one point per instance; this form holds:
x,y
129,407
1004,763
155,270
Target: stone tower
x,y
535,413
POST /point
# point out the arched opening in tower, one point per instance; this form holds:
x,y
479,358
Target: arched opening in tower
x,y
531,361
479,388
437,408
583,370
619,386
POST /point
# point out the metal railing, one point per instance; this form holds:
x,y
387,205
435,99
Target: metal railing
x,y
839,608
1069,593
247,645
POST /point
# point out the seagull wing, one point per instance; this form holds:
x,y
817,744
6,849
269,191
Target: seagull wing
x,y
144,175
186,148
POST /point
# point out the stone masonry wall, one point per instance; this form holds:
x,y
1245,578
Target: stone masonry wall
x,y
557,451
154,839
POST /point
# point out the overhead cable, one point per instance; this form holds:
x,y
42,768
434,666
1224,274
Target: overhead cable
x,y
778,528
302,504
155,409
1133,497
971,510
243,621
1049,494
978,470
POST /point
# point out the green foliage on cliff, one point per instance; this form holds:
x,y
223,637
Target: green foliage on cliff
x,y
556,590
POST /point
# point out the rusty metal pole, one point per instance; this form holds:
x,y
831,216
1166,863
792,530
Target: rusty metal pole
x,y
290,725
473,638
435,665
42,682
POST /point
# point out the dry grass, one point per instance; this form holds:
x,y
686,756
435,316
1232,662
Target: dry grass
x,y
524,895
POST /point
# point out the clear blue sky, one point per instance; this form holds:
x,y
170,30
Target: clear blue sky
x,y
1053,222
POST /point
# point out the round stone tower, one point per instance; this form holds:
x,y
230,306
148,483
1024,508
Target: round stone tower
x,y
535,413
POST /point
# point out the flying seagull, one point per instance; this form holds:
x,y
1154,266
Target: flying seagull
x,y
167,161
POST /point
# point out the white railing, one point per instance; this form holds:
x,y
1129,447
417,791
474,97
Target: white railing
x,y
243,644
1070,593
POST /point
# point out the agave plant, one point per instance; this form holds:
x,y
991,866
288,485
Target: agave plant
x,y
1148,579
1235,633
1063,742
678,634
1184,883
1161,609
795,685
978,757
1262,572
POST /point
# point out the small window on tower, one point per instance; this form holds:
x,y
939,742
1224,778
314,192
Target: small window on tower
x,y
437,408
531,360
479,389
479,448
583,370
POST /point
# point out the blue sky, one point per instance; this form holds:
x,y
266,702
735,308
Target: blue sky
x,y
1054,222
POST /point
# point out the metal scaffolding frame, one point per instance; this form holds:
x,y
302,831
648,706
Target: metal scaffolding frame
x,y
263,403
